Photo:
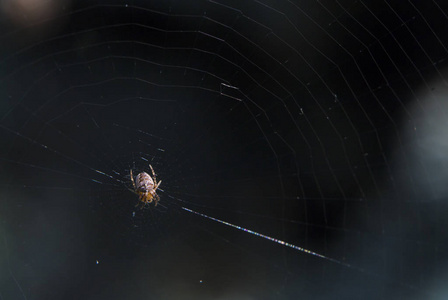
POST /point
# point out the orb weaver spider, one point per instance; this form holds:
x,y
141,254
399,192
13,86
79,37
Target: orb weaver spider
x,y
146,187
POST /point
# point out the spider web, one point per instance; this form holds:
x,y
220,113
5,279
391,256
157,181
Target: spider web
x,y
316,125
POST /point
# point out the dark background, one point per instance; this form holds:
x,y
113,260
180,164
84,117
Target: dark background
x,y
319,123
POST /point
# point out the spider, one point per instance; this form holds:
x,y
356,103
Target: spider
x,y
146,187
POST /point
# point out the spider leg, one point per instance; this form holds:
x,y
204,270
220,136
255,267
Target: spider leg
x,y
152,170
157,185
140,203
132,178
139,200
153,175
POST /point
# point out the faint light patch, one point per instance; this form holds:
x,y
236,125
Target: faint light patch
x,y
25,11
40,17
425,145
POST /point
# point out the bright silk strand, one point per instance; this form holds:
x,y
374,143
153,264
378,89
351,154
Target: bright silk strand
x,y
272,239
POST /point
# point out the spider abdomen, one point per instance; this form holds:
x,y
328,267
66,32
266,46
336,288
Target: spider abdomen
x,y
144,182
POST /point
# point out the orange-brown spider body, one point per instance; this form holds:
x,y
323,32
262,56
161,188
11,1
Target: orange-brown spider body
x,y
145,187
